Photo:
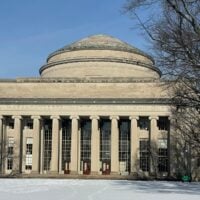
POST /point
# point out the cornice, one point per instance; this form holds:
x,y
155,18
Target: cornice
x,y
84,80
118,48
83,101
92,59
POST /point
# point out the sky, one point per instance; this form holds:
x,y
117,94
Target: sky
x,y
32,29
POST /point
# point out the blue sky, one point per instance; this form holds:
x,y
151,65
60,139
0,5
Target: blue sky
x,y
32,29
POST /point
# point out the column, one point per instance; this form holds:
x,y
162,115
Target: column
x,y
95,147
74,145
134,144
18,145
36,144
55,144
114,145
1,144
153,144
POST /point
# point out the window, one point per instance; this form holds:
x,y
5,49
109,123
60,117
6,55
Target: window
x,y
105,139
10,153
162,155
28,123
124,144
85,146
29,150
105,145
143,123
198,162
163,123
144,155
66,144
10,123
47,143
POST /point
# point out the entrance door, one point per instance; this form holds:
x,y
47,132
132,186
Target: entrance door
x,y
105,167
67,170
86,167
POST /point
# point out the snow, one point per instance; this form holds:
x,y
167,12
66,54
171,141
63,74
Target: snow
x,y
68,189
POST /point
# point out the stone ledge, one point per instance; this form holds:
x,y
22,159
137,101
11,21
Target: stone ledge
x,y
65,101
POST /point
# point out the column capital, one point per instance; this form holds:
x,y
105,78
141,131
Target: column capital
x,y
16,117
36,117
153,117
114,117
94,117
55,117
133,117
1,117
74,117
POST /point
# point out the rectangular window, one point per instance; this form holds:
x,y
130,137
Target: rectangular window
x,y
198,162
66,144
10,153
163,123
162,155
143,123
29,152
28,123
105,145
144,155
47,144
124,144
10,123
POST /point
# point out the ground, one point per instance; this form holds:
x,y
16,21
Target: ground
x,y
61,189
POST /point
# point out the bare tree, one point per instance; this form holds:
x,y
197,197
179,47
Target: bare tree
x,y
173,27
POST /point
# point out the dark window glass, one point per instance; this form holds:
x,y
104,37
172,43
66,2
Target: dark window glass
x,y
162,155
144,155
66,143
124,143
163,123
47,143
85,145
143,123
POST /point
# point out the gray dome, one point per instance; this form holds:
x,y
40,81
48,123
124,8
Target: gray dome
x,y
102,42
100,56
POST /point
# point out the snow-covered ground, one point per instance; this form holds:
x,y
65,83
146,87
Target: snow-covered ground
x,y
64,189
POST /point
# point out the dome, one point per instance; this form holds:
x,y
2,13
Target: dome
x,y
99,56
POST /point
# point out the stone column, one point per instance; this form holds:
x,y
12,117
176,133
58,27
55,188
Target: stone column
x,y
134,144
114,145
1,144
95,147
36,144
55,144
153,144
74,145
18,145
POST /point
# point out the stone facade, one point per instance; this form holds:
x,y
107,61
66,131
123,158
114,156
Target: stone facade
x,y
97,109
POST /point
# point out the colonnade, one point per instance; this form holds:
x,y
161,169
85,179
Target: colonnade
x,y
37,156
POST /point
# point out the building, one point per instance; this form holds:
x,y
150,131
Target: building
x,y
97,107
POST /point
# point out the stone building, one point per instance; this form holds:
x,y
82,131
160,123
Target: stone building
x,y
96,108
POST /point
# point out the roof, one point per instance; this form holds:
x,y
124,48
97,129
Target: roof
x,y
100,42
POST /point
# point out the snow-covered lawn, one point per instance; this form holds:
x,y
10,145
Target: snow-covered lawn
x,y
65,189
